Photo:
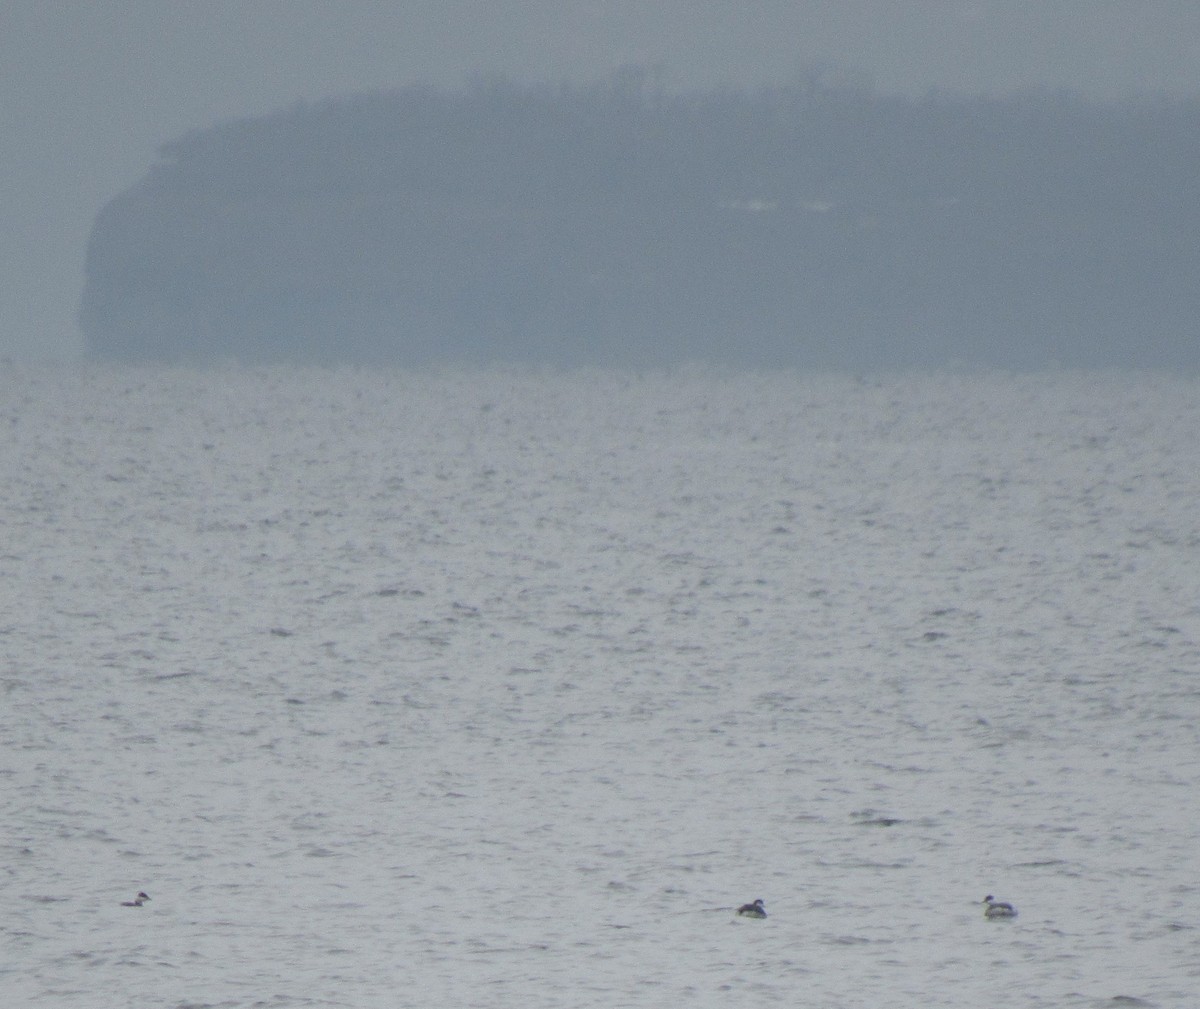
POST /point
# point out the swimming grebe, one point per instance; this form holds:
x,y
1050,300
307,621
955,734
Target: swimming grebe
x,y
755,910
137,901
998,908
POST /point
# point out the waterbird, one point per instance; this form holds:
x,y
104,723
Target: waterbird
x,y
755,910
137,901
998,908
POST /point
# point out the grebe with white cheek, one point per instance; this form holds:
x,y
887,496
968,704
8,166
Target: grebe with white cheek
x,y
998,908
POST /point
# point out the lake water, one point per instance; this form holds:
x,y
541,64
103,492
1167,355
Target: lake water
x,y
504,689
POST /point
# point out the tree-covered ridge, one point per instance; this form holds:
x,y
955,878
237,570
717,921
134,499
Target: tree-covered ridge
x,y
615,223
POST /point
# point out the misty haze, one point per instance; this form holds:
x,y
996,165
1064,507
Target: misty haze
x,y
614,224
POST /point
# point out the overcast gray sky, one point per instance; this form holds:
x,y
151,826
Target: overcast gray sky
x,y
88,91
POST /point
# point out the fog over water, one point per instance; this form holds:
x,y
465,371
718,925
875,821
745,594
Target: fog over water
x,y
89,93
493,688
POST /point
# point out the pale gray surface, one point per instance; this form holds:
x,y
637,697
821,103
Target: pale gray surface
x,y
497,690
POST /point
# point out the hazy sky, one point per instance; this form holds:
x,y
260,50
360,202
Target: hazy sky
x,y
88,91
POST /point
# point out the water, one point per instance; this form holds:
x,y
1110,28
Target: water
x,y
505,689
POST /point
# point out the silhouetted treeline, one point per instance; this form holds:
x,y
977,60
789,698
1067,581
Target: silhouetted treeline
x,y
617,224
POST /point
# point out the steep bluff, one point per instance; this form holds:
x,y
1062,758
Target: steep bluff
x,y
612,225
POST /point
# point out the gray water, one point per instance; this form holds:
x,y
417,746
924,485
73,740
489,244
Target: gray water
x,y
505,689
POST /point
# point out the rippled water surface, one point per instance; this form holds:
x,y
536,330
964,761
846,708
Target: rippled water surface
x,y
505,689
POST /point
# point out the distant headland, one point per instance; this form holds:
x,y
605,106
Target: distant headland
x,y
613,224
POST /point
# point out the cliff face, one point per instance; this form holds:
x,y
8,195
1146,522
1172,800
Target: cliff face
x,y
607,225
